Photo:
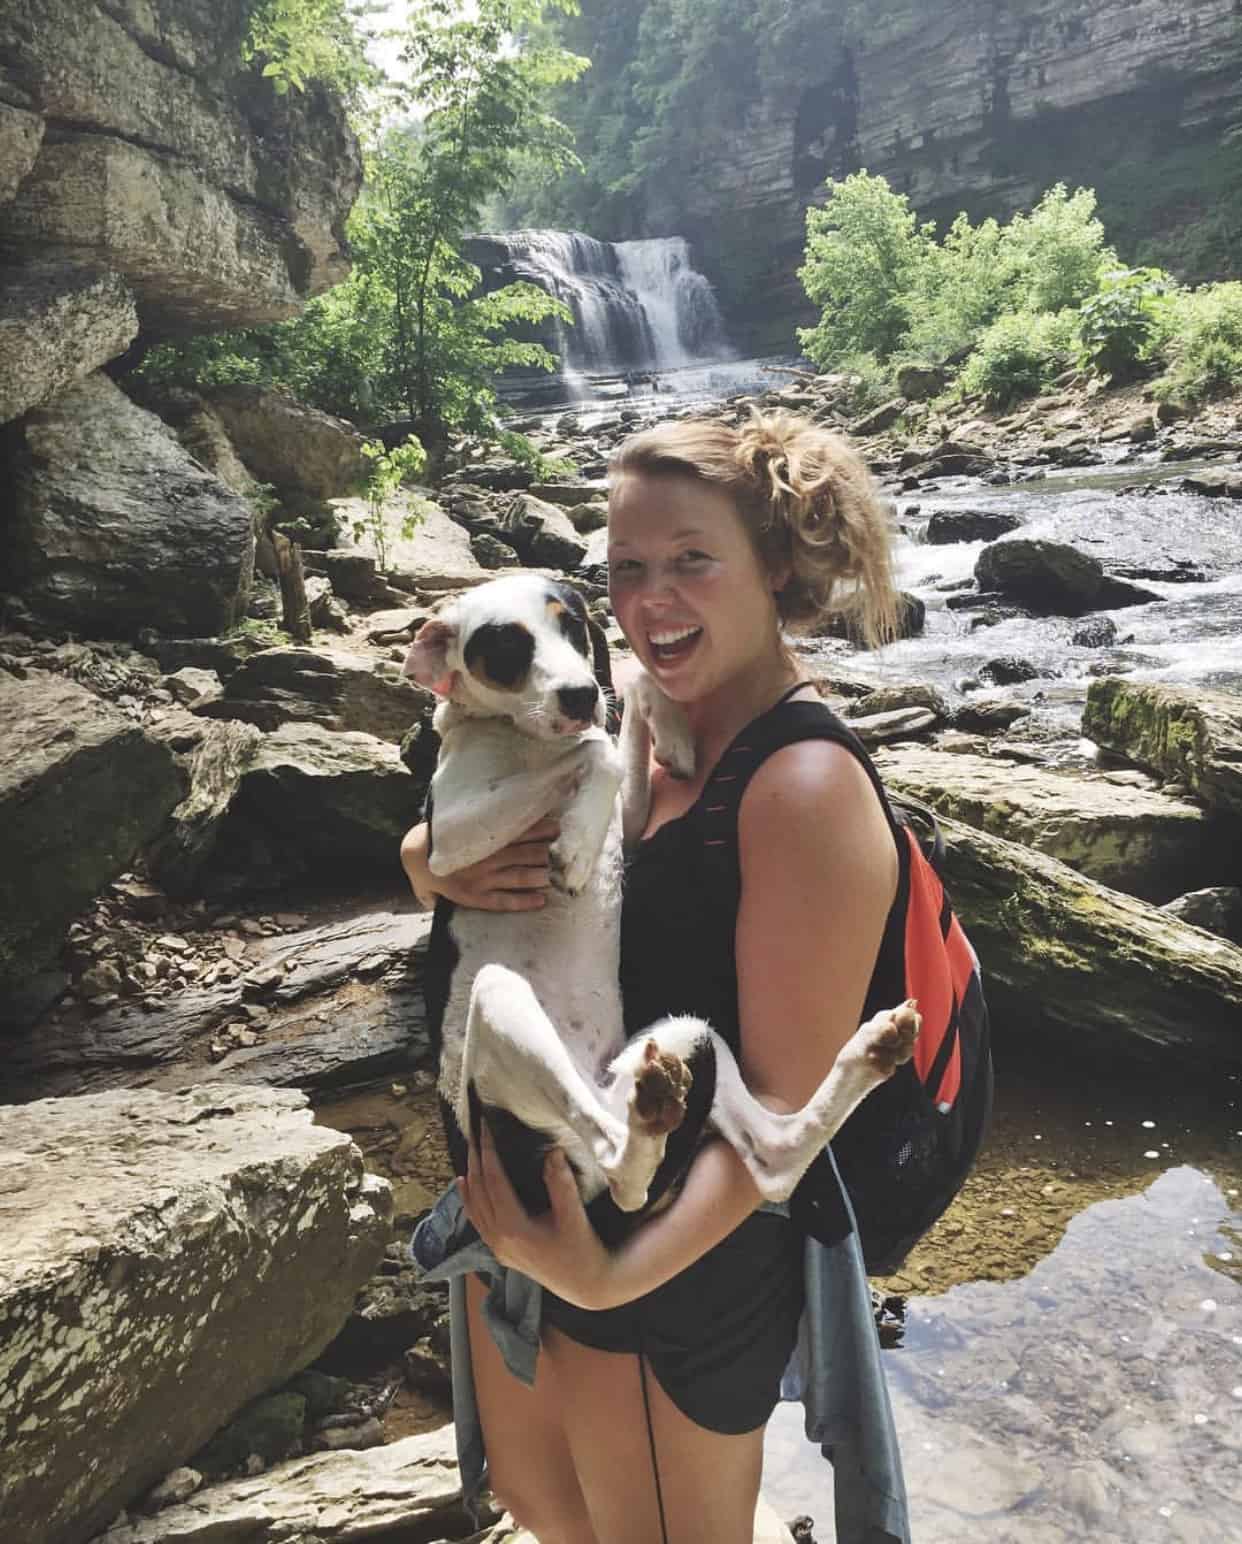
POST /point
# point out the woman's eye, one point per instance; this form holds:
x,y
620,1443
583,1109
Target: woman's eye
x,y
692,557
622,567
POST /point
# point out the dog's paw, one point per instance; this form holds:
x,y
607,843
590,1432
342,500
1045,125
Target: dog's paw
x,y
889,1038
672,744
660,1088
569,868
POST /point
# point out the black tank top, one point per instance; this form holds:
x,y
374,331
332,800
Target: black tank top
x,y
683,886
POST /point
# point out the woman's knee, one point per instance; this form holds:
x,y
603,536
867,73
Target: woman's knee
x,y
554,1516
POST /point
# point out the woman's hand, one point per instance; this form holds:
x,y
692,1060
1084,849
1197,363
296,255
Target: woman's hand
x,y
514,879
560,1249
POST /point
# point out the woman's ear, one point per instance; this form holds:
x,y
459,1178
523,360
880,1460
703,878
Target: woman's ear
x,y
427,662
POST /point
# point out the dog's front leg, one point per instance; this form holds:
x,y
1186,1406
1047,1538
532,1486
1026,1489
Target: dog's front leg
x,y
778,1149
653,725
587,817
479,804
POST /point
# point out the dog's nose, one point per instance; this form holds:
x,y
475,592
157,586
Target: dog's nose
x,y
578,702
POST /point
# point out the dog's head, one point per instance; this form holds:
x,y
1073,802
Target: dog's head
x,y
520,647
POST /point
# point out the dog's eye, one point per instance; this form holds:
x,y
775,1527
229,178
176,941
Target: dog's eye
x,y
499,653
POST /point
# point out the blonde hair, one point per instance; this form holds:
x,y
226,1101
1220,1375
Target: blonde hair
x,y
806,500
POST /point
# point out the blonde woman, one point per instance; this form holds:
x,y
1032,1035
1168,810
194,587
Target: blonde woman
x,y
759,898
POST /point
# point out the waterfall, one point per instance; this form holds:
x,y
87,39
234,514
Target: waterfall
x,y
637,305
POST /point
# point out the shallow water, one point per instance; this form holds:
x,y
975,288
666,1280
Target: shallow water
x,y
1098,1397
1091,1389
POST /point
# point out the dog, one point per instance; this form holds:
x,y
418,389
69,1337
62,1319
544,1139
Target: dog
x,y
532,1032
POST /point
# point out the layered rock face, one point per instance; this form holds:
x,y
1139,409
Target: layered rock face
x,y
967,105
133,140
166,1259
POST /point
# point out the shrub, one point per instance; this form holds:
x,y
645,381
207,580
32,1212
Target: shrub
x,y
1117,325
1199,335
870,382
864,253
1019,355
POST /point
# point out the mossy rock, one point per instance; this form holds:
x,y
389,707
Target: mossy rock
x,y
1194,737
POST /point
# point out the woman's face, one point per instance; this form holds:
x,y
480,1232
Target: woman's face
x,y
687,586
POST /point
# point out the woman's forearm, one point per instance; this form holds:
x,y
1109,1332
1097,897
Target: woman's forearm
x,y
717,1196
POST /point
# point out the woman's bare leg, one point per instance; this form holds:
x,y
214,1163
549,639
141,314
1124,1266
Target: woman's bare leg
x,y
529,1460
709,1482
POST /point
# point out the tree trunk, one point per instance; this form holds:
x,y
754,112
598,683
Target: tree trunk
x,y
296,618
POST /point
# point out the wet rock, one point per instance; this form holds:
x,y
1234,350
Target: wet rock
x,y
287,444
58,323
333,687
988,715
1095,633
352,575
588,518
542,534
1133,838
1044,575
1008,670
115,529
885,699
896,724
324,609
567,495
955,525
82,788
1191,736
143,1232
1060,950
1217,908
410,1486
911,616
185,847
879,419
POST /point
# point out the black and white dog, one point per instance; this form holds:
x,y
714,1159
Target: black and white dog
x,y
531,1027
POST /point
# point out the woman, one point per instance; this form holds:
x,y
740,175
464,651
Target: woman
x,y
758,899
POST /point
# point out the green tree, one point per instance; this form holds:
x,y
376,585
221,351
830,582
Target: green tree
x,y
865,258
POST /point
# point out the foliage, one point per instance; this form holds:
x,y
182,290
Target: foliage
x,y
388,470
409,333
300,41
864,261
1199,335
1020,354
1118,323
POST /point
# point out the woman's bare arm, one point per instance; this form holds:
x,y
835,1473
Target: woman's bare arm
x,y
514,879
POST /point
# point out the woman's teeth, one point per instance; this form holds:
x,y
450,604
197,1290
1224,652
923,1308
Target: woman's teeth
x,y
673,641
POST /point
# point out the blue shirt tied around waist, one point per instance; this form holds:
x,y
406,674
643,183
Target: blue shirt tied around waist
x,y
835,1370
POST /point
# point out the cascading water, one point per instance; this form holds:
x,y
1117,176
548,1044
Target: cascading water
x,y
637,306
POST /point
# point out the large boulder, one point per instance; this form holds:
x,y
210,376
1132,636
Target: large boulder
x,y
1060,950
167,1258
115,529
1045,575
82,788
221,202
1126,833
308,803
21,134
542,534
1192,736
289,445
57,324
424,549
333,687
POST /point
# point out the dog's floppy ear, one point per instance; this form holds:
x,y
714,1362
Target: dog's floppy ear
x,y
601,665
427,662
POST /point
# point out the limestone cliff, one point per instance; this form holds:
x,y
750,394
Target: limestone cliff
x,y
133,141
976,104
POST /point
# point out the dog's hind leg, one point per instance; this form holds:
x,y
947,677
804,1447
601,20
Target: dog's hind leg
x,y
515,1060
778,1148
